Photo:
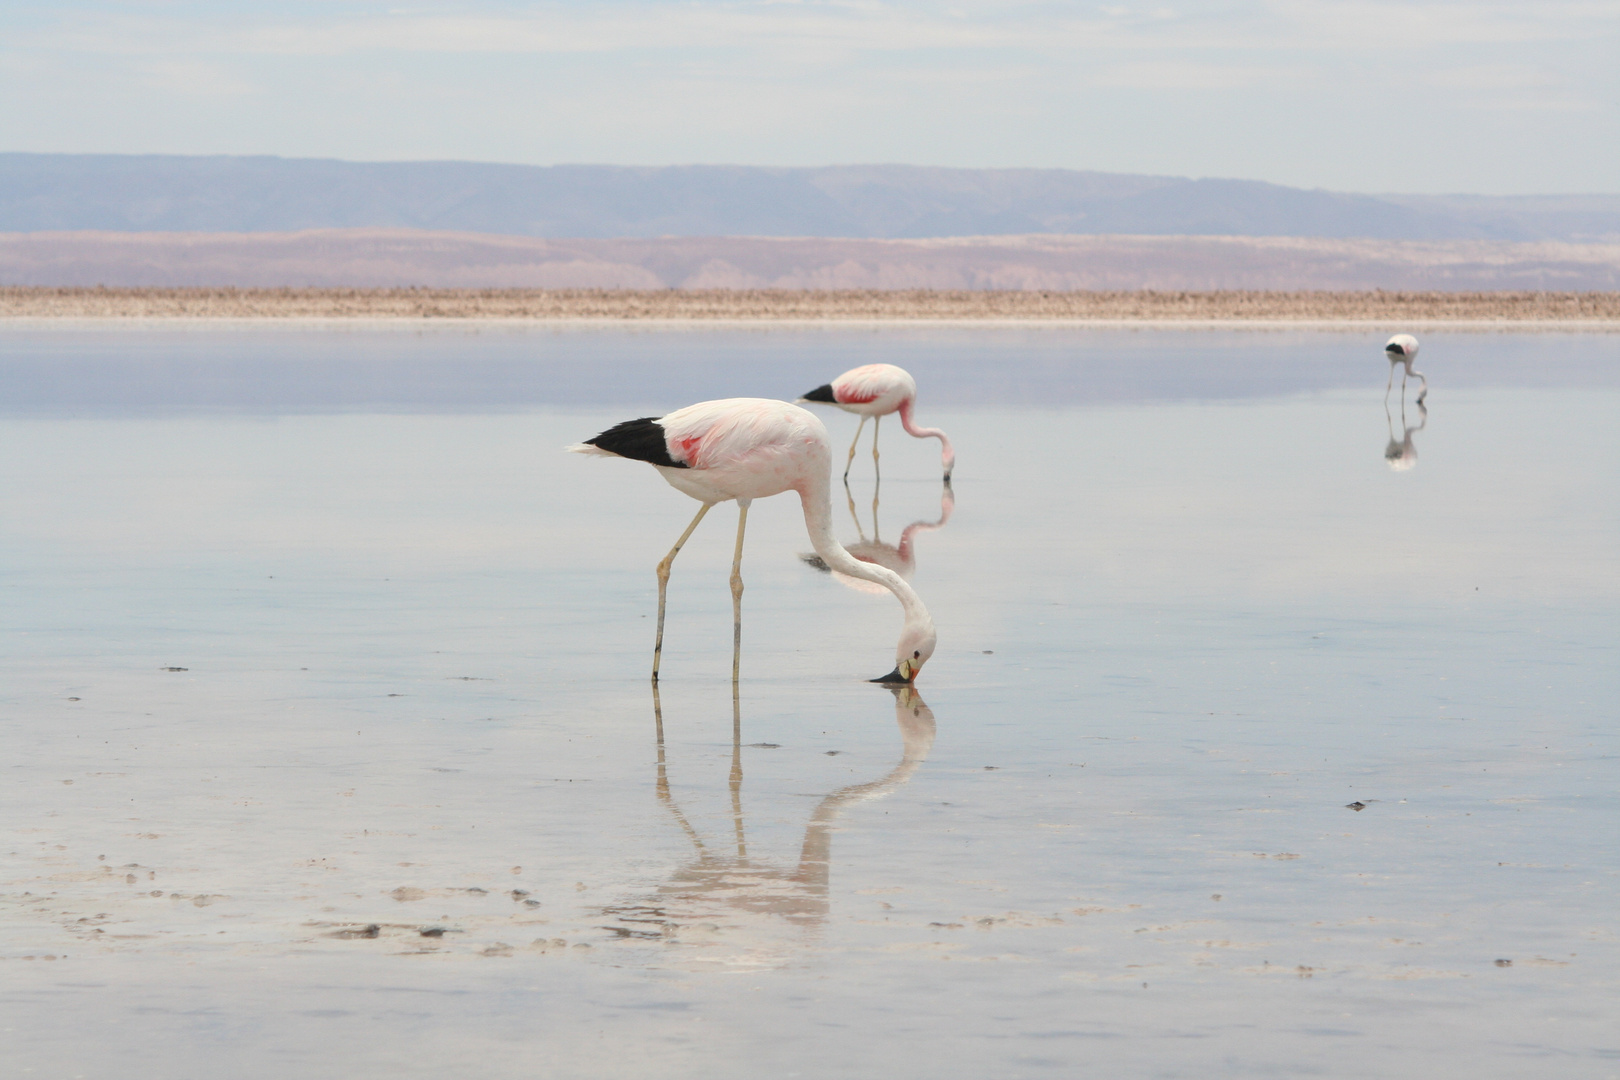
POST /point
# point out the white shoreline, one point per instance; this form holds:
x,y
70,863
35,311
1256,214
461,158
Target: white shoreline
x,y
1431,325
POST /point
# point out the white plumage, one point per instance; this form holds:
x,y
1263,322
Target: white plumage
x,y
1403,349
742,449
875,391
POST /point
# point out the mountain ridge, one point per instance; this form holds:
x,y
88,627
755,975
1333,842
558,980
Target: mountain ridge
x,y
404,257
223,193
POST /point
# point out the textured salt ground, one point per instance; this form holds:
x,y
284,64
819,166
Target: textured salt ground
x,y
835,305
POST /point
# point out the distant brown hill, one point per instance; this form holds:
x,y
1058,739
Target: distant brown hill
x,y
405,257
223,193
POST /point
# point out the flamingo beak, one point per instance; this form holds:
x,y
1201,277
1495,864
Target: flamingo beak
x,y
902,674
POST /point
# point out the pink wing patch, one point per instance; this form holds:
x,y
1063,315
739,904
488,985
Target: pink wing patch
x,y
688,448
849,396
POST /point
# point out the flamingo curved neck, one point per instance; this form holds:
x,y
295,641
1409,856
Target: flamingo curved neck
x,y
817,500
945,451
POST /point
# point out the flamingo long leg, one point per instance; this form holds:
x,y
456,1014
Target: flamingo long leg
x,y
856,442
658,729
877,488
737,775
1391,381
877,473
663,585
736,597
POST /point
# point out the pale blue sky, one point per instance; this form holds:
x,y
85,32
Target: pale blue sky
x,y
1355,95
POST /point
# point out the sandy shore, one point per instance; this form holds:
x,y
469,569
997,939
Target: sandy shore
x,y
831,305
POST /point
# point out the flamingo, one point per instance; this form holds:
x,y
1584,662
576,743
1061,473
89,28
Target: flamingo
x,y
876,390
1403,349
744,449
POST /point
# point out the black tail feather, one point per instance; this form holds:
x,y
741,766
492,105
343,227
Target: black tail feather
x,y
822,393
639,440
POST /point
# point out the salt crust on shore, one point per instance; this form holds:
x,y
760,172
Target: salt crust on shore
x,y
1591,310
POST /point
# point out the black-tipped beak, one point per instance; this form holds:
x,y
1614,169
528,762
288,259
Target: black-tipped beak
x,y
893,678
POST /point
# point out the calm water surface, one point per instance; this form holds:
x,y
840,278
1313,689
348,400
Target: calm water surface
x,y
315,641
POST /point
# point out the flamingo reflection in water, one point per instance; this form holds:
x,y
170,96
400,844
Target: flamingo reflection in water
x,y
1401,454
900,558
735,909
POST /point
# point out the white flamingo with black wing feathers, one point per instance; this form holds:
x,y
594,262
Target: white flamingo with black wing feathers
x,y
1403,349
875,391
744,449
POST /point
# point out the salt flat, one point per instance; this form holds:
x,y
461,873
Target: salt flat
x,y
1292,299
331,750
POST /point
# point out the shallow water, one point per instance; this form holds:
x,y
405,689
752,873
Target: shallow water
x,y
1189,618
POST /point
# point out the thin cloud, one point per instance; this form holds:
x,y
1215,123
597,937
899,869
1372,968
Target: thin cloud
x,y
193,78
841,28
1191,75
1297,91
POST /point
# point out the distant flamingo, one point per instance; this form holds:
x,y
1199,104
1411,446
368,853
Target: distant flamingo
x,y
747,449
1403,349
877,390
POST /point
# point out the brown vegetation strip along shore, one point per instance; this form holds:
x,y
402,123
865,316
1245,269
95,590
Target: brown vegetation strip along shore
x,y
832,305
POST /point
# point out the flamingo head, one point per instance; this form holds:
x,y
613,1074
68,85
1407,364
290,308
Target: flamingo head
x,y
915,647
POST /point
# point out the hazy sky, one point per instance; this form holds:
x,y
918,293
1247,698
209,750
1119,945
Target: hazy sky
x,y
1356,95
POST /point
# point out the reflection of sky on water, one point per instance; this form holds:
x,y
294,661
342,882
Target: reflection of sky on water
x,y
153,368
1178,637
